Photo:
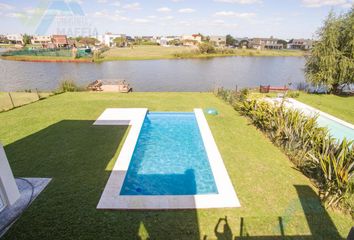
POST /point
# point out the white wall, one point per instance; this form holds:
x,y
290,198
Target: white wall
x,y
8,188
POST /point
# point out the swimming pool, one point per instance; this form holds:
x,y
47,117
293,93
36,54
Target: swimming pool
x,y
168,161
337,128
169,158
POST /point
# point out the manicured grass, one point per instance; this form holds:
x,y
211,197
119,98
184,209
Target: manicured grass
x,y
142,53
19,99
339,106
55,138
158,52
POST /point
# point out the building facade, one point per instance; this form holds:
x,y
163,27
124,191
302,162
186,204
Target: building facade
x,y
265,43
60,41
191,40
218,41
15,38
302,44
41,39
108,39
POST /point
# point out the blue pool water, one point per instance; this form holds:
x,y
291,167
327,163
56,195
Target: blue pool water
x,y
169,158
336,129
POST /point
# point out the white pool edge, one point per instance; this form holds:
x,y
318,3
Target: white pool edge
x,y
110,198
301,105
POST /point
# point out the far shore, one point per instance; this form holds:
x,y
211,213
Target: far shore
x,y
157,53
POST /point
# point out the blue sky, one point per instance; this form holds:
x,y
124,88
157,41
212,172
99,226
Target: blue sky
x,y
263,18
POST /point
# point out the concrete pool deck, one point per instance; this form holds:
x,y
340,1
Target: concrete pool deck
x,y
111,199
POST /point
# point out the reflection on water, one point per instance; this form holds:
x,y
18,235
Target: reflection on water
x,y
158,75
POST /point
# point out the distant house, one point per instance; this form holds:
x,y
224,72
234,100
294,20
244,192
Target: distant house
x,y
303,44
108,38
265,43
191,40
41,40
15,38
218,41
148,38
165,41
60,41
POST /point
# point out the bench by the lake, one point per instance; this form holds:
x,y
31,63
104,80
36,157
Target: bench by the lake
x,y
267,89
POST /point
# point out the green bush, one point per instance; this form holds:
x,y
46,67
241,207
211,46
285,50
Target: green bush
x,y
327,161
293,94
68,86
206,48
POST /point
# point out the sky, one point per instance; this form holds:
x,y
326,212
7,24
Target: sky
x,y
285,19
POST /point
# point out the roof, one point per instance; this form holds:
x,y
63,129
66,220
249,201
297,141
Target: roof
x,y
59,39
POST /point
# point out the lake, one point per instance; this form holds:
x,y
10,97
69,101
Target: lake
x,y
185,75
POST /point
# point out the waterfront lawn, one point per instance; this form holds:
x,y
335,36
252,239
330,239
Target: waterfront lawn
x,y
55,138
142,53
158,52
339,106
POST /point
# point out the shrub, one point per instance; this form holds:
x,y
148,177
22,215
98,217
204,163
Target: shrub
x,y
293,94
68,86
327,161
206,48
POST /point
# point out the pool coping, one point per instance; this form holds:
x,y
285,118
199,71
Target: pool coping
x,y
111,199
301,105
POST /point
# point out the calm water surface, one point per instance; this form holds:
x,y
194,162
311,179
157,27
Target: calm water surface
x,y
157,75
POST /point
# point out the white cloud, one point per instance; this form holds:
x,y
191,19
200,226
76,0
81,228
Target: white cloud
x,y
222,23
107,15
132,6
167,18
240,1
102,1
186,10
234,14
163,9
4,6
141,20
116,4
321,3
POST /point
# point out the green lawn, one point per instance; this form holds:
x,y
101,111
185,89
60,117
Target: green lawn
x,y
339,106
55,138
158,52
142,53
19,99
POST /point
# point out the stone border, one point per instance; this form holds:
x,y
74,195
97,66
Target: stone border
x,y
110,198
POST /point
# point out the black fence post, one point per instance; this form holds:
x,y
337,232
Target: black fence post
x,y
39,97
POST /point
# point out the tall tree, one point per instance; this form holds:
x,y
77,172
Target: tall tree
x,y
230,40
346,47
322,64
120,41
26,39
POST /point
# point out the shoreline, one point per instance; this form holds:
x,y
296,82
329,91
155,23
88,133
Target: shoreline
x,y
142,58
155,53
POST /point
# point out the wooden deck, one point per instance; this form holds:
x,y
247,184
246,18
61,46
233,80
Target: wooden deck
x,y
113,88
